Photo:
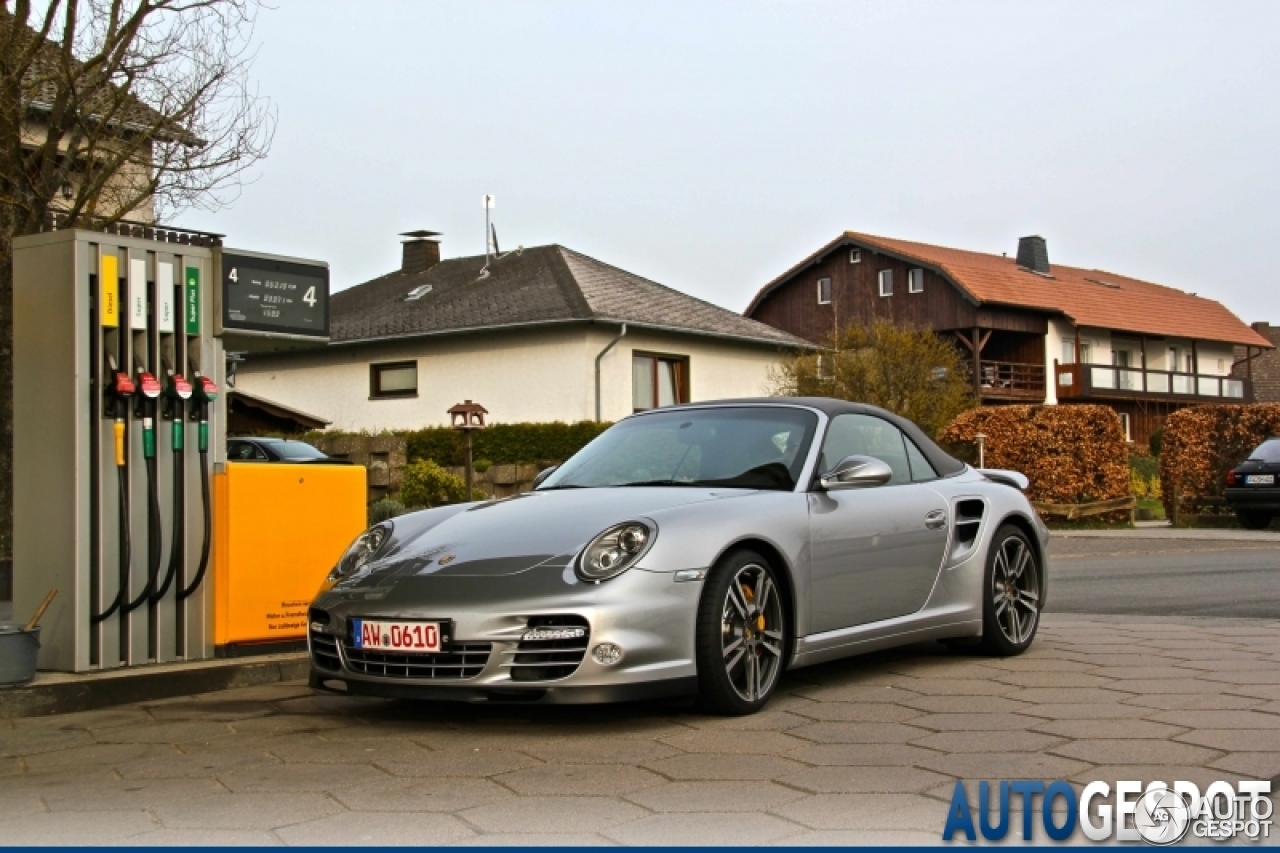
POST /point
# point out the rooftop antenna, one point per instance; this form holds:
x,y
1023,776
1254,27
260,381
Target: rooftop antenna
x,y
489,203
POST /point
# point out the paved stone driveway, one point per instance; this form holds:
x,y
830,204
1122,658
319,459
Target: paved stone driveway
x,y
859,751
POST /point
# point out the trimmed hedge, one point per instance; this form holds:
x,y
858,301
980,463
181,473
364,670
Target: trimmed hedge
x,y
503,444
1203,443
1071,454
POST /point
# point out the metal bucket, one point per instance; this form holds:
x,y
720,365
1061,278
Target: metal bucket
x,y
18,648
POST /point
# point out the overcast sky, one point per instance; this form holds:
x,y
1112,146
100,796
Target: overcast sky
x,y
711,145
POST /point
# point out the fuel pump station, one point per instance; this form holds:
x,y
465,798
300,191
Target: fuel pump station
x,y
119,429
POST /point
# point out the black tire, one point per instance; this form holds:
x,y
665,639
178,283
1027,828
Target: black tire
x,y
1011,591
739,634
1253,520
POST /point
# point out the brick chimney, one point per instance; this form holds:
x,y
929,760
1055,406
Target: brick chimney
x,y
1033,254
421,251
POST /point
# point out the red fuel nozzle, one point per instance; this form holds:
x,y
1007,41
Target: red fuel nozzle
x,y
122,385
179,387
206,388
149,385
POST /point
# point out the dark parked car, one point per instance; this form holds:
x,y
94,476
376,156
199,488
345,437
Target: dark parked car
x,y
274,450
1252,490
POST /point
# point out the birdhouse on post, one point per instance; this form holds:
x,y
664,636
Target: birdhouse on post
x,y
467,417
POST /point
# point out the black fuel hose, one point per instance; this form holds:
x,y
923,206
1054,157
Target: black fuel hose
x,y
154,540
208,529
126,551
179,534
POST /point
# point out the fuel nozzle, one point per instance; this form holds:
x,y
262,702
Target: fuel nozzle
x,y
177,390
149,393
120,388
204,393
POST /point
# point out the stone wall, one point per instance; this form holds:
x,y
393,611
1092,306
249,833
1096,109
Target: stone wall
x,y
500,481
385,457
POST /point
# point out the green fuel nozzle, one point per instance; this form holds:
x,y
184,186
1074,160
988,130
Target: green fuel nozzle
x,y
205,392
149,389
177,390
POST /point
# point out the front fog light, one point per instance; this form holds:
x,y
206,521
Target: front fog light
x,y
607,654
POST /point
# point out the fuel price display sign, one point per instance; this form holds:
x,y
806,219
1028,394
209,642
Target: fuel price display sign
x,y
275,296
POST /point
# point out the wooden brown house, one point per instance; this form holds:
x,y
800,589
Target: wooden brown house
x,y
1031,332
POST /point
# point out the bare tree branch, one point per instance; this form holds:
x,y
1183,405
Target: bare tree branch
x,y
118,109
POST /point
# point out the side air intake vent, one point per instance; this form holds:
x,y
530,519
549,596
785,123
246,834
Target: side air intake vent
x,y
968,517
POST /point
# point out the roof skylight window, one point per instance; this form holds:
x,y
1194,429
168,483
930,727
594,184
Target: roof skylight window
x,y
418,292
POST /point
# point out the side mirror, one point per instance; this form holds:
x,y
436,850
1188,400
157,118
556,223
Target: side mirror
x,y
542,475
856,472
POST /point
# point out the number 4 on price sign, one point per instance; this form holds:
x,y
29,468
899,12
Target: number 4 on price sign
x,y
310,296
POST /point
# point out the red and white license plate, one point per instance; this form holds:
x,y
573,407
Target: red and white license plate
x,y
395,636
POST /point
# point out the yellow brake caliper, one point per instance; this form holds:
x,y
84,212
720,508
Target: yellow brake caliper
x,y
750,595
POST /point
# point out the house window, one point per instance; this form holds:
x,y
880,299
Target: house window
x,y
886,282
1124,424
1068,351
1085,356
824,291
915,281
398,379
855,256
658,380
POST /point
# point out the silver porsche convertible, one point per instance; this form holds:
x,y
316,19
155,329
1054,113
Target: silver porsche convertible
x,y
698,549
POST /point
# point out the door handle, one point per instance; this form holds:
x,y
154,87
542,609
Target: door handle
x,y
935,519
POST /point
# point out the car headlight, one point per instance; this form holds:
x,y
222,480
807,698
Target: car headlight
x,y
364,549
615,550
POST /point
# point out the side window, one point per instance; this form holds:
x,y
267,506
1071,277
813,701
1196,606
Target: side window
x,y
864,435
921,470
242,451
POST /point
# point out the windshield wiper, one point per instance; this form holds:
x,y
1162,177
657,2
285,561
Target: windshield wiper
x,y
693,483
557,488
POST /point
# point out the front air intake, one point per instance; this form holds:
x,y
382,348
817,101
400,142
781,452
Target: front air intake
x,y
552,647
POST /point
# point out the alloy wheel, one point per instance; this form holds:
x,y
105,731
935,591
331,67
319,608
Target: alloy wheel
x,y
751,632
1015,590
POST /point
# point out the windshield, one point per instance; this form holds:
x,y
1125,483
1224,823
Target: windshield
x,y
1268,451
296,450
748,448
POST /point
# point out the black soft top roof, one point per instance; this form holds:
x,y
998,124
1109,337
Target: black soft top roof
x,y
942,462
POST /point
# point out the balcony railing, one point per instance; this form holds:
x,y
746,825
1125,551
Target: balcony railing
x,y
1103,380
1011,379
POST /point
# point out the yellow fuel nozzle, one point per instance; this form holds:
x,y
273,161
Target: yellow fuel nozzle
x,y
119,430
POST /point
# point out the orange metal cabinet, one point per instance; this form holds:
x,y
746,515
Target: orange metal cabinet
x,y
278,530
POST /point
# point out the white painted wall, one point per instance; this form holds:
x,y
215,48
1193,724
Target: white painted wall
x,y
1059,331
717,369
534,375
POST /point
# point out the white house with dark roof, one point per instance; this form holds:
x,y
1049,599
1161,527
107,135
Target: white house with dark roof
x,y
539,334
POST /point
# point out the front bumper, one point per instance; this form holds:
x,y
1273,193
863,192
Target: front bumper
x,y
1254,498
648,614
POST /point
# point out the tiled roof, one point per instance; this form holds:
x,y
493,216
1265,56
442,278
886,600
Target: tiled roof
x,y
1091,298
539,286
